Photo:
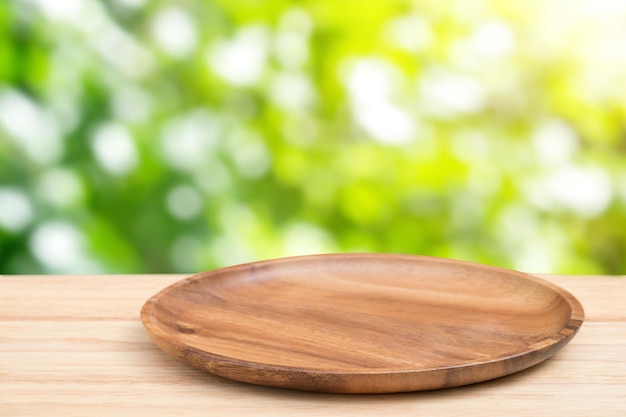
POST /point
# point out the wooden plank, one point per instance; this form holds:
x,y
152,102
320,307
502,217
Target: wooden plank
x,y
78,362
94,297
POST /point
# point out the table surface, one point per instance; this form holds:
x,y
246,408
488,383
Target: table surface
x,y
75,346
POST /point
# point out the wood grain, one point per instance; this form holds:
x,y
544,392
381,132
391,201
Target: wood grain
x,y
74,363
362,323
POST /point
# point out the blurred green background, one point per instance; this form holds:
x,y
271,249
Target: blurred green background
x,y
160,136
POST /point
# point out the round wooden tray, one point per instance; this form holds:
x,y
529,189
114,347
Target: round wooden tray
x,y
362,323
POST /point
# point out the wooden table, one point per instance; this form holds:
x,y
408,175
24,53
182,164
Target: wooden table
x,y
74,346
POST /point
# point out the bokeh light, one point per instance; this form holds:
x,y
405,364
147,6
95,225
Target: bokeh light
x,y
157,136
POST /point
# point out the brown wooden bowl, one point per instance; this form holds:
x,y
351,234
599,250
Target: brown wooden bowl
x,y
362,323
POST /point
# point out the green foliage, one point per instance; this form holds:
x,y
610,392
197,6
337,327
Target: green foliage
x,y
180,136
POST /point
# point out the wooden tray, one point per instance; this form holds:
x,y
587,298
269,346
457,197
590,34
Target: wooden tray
x,y
362,323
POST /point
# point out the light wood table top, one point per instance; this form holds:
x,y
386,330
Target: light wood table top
x,y
75,346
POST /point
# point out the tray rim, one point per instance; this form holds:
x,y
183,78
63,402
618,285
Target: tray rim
x,y
206,360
